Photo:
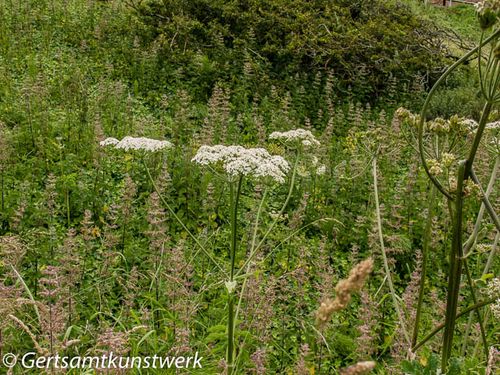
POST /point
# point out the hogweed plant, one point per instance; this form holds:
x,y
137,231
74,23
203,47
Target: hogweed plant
x,y
448,149
238,163
237,166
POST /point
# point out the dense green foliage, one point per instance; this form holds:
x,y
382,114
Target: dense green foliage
x,y
90,252
366,43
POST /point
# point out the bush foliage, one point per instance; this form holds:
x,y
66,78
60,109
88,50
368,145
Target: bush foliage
x,y
366,43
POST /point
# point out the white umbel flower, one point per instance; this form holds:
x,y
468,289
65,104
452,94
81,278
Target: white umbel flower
x,y
297,135
109,142
241,161
137,143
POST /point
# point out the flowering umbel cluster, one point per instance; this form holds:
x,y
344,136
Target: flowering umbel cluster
x,y
440,126
487,12
305,137
344,290
137,143
241,161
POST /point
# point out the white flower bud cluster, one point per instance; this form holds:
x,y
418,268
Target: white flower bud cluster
x,y
298,135
241,161
471,189
493,291
402,114
137,143
493,125
435,168
448,159
483,248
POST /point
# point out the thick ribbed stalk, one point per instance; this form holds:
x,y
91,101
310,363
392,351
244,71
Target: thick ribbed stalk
x,y
465,171
230,332
456,254
455,271
425,252
230,285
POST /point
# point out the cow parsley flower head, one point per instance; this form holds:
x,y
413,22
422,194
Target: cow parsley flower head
x,y
305,137
241,161
137,143
109,142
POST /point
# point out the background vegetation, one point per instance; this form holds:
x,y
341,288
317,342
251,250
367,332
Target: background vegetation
x,y
92,262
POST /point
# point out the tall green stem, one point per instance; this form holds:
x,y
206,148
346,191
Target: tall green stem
x,y
423,274
230,286
273,224
254,239
230,332
234,226
465,171
455,271
469,244
456,254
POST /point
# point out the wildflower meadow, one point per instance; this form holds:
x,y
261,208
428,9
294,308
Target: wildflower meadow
x,y
249,187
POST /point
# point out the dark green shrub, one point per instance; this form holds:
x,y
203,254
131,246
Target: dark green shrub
x,y
367,44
